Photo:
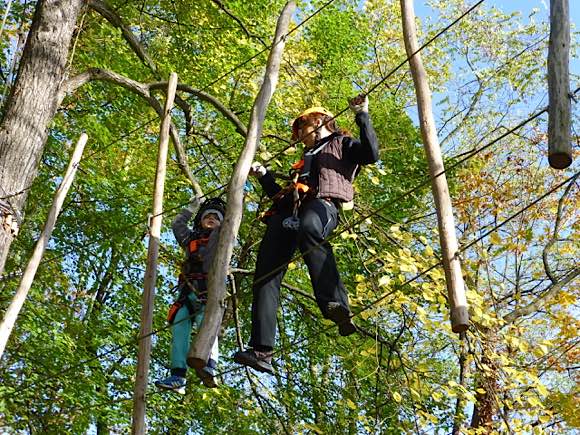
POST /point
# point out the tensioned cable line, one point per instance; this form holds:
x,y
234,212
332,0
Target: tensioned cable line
x,y
469,156
381,81
269,47
356,223
423,272
412,190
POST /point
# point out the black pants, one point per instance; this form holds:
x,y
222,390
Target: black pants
x,y
318,218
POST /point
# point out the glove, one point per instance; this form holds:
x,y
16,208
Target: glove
x,y
258,170
359,104
194,204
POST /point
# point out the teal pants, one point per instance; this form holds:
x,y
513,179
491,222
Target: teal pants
x,y
181,334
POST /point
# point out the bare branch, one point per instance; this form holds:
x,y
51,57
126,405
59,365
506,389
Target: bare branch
x,y
140,89
111,16
204,96
541,301
554,238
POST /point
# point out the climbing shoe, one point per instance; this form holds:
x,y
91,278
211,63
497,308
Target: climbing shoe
x,y
341,316
207,374
260,361
173,383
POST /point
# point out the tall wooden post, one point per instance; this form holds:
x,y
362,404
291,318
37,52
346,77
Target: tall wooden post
x,y
559,147
199,353
30,272
144,355
447,237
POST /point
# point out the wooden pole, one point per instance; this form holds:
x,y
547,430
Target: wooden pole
x,y
448,240
30,272
199,352
144,355
559,147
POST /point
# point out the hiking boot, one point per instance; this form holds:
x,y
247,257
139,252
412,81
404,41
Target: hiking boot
x,y
207,374
260,361
173,383
341,316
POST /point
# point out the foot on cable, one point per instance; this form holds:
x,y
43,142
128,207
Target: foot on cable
x,y
260,361
207,374
173,383
341,316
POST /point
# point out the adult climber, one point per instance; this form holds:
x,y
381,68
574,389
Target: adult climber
x,y
303,216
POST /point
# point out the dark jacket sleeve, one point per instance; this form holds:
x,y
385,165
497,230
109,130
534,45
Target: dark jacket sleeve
x,y
180,227
365,150
269,184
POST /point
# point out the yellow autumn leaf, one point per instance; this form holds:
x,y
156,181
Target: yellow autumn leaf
x,y
384,280
544,419
375,180
534,401
397,397
542,389
312,428
291,266
436,396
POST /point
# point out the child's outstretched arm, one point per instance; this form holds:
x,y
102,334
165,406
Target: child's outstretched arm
x,y
180,227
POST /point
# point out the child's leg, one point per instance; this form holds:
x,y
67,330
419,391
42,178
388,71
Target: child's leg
x,y
214,355
181,332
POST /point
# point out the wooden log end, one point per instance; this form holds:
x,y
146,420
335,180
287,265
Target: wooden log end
x,y
459,319
560,160
195,363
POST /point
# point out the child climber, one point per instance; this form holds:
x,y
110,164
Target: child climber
x,y
199,244
303,216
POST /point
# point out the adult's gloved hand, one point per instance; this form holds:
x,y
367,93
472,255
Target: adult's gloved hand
x,y
358,104
258,170
194,204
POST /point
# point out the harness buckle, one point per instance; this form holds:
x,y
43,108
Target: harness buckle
x,y
291,223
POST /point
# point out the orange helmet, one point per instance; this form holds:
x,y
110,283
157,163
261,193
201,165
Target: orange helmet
x,y
316,109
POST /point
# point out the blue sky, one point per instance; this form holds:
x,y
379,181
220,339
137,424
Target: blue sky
x,y
525,7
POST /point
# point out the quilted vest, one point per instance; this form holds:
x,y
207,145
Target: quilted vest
x,y
332,175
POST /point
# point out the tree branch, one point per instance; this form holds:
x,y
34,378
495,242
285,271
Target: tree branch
x,y
111,16
538,303
554,238
140,89
204,96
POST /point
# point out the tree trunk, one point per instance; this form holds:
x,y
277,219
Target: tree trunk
x,y
26,282
144,355
447,237
31,106
487,381
560,150
199,352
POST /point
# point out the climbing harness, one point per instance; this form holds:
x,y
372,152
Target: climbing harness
x,y
300,180
293,222
186,286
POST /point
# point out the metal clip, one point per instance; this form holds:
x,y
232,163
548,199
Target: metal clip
x,y
291,223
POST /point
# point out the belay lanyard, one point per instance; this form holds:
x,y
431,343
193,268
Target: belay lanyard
x,y
302,168
293,222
